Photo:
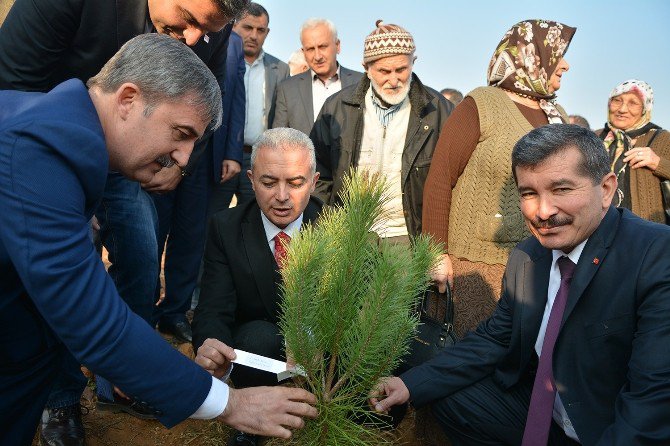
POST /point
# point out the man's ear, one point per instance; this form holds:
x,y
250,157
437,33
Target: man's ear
x,y
337,44
314,180
250,175
609,185
127,97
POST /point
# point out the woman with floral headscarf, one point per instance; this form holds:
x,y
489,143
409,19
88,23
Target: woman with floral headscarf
x,y
470,200
639,150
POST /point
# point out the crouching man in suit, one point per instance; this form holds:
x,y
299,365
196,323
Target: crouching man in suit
x,y
576,351
56,299
246,245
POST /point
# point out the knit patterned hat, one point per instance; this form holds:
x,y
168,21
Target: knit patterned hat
x,y
387,40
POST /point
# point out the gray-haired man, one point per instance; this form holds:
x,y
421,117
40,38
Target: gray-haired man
x,y
299,98
56,298
239,300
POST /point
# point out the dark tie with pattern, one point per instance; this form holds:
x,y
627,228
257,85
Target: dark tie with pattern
x,y
541,407
281,243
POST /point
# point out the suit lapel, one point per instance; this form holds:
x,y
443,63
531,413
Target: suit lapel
x,y
270,81
306,95
263,265
591,259
533,299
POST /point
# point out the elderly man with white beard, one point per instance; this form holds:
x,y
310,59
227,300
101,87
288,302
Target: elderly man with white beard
x,y
388,123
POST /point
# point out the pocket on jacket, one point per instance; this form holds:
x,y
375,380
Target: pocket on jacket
x,y
623,323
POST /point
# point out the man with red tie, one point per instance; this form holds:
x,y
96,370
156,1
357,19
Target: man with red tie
x,y
576,351
244,253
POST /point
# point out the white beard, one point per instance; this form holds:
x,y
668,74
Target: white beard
x,y
392,99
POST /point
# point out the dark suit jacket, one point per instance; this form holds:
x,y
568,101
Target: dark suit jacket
x,y
611,362
229,139
240,282
45,42
294,107
54,290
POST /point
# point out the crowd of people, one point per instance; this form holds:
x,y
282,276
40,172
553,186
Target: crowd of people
x,y
141,121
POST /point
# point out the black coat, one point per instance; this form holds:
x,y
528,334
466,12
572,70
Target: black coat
x,y
338,132
240,282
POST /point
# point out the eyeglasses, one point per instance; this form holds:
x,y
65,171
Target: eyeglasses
x,y
633,106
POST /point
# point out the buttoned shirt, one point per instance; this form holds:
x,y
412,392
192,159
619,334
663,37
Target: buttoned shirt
x,y
559,415
323,90
254,86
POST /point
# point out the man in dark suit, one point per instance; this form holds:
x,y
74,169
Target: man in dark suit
x,y
299,98
239,299
576,351
45,42
55,295
261,74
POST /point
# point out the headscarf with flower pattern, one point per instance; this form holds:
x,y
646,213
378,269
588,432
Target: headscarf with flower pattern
x,y
525,59
618,141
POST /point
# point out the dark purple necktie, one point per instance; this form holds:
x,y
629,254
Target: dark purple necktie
x,y
544,388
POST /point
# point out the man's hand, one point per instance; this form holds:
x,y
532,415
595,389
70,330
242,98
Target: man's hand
x,y
165,180
394,389
229,168
215,357
269,411
443,273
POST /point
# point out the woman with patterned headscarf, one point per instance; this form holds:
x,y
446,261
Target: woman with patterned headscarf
x,y
639,150
471,203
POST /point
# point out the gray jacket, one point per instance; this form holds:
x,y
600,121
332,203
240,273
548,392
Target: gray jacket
x,y
294,107
338,132
275,72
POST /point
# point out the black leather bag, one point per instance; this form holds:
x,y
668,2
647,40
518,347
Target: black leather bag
x,y
436,330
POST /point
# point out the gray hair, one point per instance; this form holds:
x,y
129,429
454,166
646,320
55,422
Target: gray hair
x,y
165,70
232,9
580,121
541,143
314,22
256,10
284,138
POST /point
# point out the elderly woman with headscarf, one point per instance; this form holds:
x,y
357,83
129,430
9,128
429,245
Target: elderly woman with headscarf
x,y
639,150
471,203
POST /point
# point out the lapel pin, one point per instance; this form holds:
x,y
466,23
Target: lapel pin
x,y
206,38
596,260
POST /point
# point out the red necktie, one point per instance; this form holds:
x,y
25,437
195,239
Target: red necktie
x,y
281,243
542,398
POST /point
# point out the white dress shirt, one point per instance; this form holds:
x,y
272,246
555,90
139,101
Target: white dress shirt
x,y
323,90
559,415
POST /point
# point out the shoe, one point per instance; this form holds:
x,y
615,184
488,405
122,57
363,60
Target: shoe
x,y
180,330
62,427
243,439
136,408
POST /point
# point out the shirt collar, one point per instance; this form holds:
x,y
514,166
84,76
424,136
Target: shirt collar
x,y
258,60
574,255
271,230
334,78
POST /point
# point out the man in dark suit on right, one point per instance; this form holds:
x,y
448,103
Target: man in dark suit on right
x,y
300,98
239,297
576,351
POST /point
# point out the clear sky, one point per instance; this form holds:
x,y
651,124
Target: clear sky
x,y
615,40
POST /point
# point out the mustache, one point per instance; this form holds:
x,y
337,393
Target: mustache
x,y
551,222
165,161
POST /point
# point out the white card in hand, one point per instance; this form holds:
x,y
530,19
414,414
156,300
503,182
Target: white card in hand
x,y
266,364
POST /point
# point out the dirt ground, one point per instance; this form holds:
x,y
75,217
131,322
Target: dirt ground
x,y
111,429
